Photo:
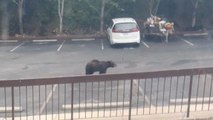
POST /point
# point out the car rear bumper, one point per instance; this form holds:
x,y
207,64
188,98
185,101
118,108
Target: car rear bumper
x,y
123,41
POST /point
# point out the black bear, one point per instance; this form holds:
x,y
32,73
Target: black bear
x,y
98,66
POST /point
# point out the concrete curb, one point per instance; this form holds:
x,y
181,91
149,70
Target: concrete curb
x,y
111,115
9,109
8,40
84,39
196,34
193,100
96,105
47,40
62,37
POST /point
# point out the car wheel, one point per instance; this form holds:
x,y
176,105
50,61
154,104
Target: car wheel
x,y
137,45
112,45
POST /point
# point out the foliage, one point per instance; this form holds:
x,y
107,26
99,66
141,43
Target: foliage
x,y
40,17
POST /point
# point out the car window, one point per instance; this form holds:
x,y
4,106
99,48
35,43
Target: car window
x,y
124,26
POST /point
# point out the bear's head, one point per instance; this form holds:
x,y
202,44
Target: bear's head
x,y
111,64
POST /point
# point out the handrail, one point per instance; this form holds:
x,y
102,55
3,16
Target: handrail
x,y
104,77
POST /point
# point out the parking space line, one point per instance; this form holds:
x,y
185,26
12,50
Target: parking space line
x,y
17,47
145,44
102,44
141,91
59,48
186,41
47,100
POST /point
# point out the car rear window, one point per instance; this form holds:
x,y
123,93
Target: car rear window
x,y
125,27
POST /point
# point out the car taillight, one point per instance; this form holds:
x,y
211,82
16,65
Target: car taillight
x,y
115,31
135,30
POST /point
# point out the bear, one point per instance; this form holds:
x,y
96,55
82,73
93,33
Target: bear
x,y
98,66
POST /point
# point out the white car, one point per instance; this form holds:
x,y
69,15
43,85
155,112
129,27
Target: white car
x,y
123,30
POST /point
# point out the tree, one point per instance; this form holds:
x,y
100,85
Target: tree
x,y
101,10
4,22
20,3
45,17
195,4
102,15
153,6
60,14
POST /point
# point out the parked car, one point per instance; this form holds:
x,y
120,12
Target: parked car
x,y
123,30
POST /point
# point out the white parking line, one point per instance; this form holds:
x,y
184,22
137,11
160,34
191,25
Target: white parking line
x,y
141,91
47,100
102,44
145,44
186,41
59,48
17,47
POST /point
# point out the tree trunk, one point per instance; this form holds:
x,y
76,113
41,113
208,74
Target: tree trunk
x,y
194,16
4,22
102,16
153,7
156,7
20,14
60,14
151,2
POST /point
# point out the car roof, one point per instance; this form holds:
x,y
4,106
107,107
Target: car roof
x,y
123,20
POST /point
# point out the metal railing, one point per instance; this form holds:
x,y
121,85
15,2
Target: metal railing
x,y
110,95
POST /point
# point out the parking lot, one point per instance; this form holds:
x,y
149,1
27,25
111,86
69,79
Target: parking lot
x,y
53,58
68,57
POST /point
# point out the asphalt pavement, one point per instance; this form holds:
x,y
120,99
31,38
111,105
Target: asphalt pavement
x,y
68,57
